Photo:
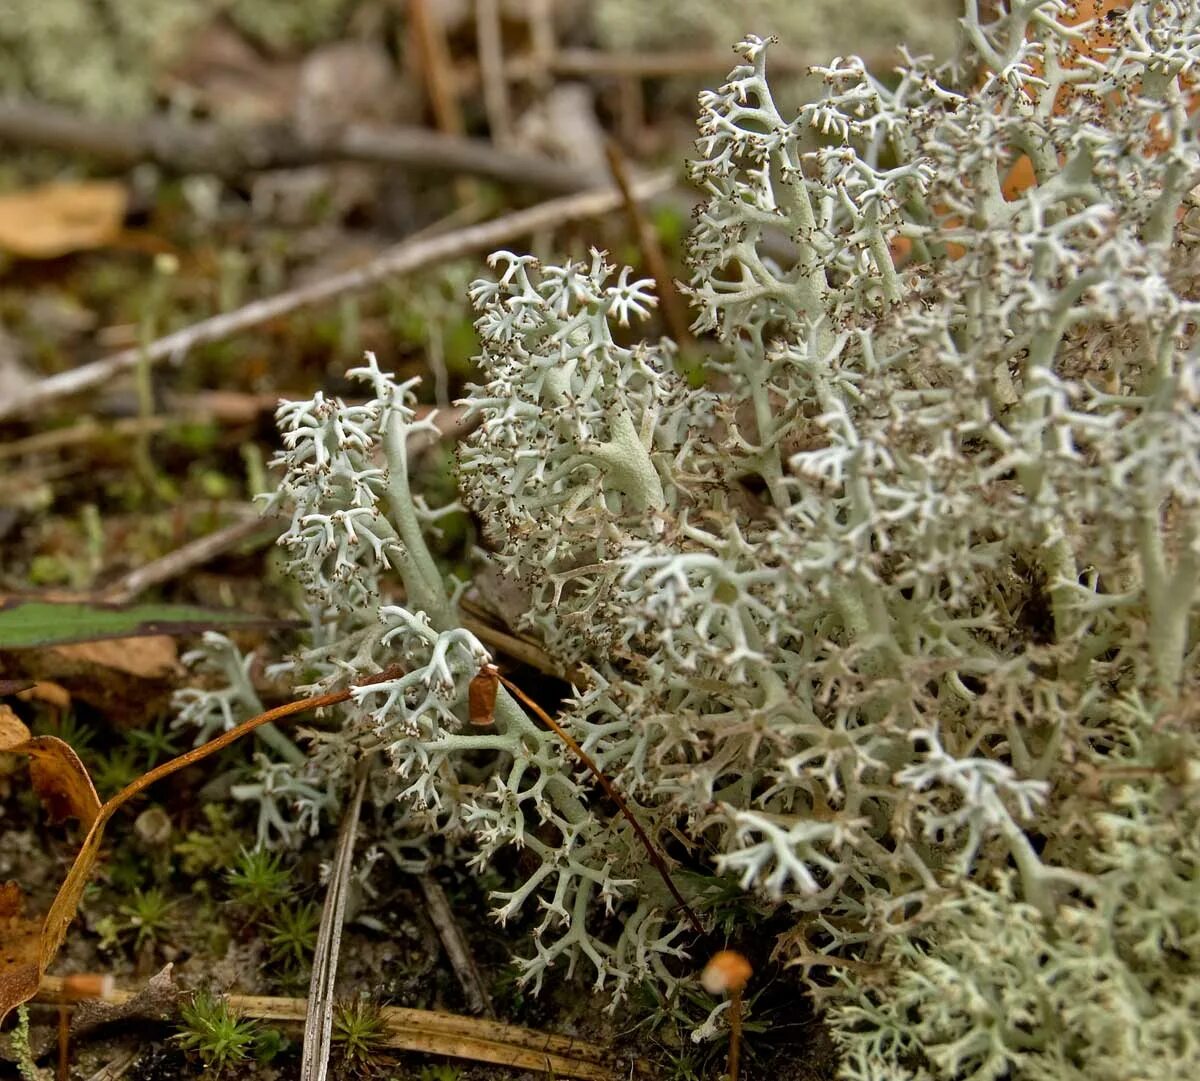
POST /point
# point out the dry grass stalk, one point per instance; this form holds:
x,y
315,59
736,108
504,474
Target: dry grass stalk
x,y
434,1033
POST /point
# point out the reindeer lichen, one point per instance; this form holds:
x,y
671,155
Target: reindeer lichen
x,y
896,618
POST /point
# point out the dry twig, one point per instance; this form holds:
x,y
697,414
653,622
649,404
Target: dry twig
x,y
232,152
674,310
403,258
435,1033
437,71
540,16
458,952
188,556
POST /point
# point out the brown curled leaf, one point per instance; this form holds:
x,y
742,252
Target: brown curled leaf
x,y
59,778
12,730
27,947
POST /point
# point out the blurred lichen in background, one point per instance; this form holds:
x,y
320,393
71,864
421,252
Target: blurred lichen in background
x,y
814,27
119,57
111,57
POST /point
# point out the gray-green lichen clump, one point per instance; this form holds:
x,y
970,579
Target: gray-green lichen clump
x,y
110,57
896,619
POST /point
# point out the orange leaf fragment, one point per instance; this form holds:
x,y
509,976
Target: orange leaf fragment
x,y
59,778
54,219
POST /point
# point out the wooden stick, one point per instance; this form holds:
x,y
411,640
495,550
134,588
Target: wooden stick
x,y
188,556
435,1033
540,16
403,258
674,310
232,152
454,942
656,857
437,71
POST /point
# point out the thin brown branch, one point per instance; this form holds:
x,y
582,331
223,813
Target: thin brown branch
x,y
674,310
233,151
436,66
198,754
188,556
610,790
403,258
437,72
540,16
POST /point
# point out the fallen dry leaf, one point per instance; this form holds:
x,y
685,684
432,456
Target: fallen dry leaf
x,y
47,691
20,948
59,778
55,219
125,678
145,658
65,787
12,728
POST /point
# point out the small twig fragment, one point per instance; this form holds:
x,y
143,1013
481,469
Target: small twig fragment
x,y
491,65
610,790
674,310
188,556
455,944
437,71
